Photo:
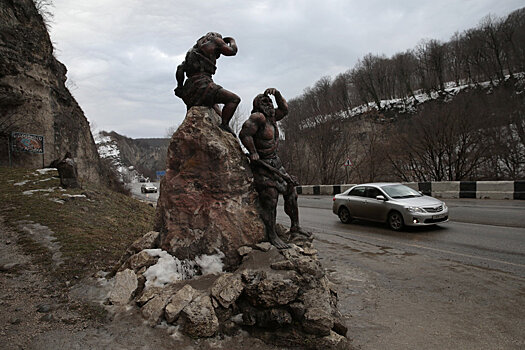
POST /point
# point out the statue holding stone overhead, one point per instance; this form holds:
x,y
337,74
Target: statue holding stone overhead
x,y
199,88
260,136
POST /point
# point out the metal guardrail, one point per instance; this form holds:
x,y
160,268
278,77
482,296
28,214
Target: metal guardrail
x,y
442,189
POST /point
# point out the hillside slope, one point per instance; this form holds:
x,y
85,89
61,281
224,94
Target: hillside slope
x,y
33,95
146,156
466,133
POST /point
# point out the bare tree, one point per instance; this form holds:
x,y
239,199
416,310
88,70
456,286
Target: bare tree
x,y
170,131
44,9
240,115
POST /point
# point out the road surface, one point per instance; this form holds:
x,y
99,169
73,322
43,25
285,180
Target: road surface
x,y
484,233
459,285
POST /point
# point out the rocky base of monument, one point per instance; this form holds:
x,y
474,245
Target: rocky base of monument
x,y
280,296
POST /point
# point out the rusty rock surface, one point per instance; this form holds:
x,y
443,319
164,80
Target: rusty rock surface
x,y
207,201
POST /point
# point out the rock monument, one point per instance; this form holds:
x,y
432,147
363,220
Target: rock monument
x,y
207,201
208,267
280,296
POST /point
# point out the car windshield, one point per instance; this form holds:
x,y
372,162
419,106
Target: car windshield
x,y
400,191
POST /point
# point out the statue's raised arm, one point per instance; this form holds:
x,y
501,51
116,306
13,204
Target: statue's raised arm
x,y
260,136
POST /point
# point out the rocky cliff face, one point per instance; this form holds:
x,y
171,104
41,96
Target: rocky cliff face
x,y
146,155
33,95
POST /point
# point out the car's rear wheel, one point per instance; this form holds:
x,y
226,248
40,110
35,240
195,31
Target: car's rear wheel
x,y
395,221
344,215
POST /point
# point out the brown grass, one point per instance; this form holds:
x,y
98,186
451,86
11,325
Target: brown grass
x,y
93,232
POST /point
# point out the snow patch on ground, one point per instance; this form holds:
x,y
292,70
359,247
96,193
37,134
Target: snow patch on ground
x,y
74,195
30,192
21,183
43,235
59,201
45,170
210,263
169,269
108,151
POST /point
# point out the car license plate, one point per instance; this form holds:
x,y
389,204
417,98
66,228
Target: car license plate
x,y
437,217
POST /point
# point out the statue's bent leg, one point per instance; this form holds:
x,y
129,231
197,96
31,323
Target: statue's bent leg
x,y
268,198
291,209
230,101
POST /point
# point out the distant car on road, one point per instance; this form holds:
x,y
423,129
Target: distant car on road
x,y
396,204
147,188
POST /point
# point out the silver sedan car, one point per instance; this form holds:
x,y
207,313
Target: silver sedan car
x,y
147,188
396,204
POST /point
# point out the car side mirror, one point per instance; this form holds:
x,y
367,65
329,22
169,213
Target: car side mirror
x,y
381,198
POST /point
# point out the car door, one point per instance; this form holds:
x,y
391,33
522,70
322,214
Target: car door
x,y
375,209
356,201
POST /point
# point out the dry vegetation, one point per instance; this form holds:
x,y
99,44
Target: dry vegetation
x,y
478,134
93,231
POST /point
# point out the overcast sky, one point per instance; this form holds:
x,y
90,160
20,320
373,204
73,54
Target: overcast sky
x,y
121,55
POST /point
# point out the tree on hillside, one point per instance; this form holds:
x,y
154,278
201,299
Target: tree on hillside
x,y
443,142
405,65
513,30
366,77
369,164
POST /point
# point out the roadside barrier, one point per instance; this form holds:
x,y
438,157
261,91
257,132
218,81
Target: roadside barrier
x,y
442,189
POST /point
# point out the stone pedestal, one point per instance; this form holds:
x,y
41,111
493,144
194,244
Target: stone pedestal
x,y
207,202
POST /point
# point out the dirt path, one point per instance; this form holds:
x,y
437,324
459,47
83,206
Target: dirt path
x,y
31,304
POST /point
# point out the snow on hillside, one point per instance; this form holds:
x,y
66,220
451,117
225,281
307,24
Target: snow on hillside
x,y
409,104
108,149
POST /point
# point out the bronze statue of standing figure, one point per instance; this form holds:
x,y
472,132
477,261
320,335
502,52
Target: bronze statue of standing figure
x,y
199,88
260,136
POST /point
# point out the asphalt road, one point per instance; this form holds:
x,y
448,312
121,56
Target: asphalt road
x,y
150,197
483,233
459,285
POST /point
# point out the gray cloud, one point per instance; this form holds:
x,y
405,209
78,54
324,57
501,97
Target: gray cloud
x,y
122,54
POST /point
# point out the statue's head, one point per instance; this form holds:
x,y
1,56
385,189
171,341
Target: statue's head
x,y
263,103
205,38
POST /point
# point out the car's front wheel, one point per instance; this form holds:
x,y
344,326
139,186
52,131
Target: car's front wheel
x,y
395,221
344,215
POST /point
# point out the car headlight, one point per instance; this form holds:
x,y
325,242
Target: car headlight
x,y
444,206
415,210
